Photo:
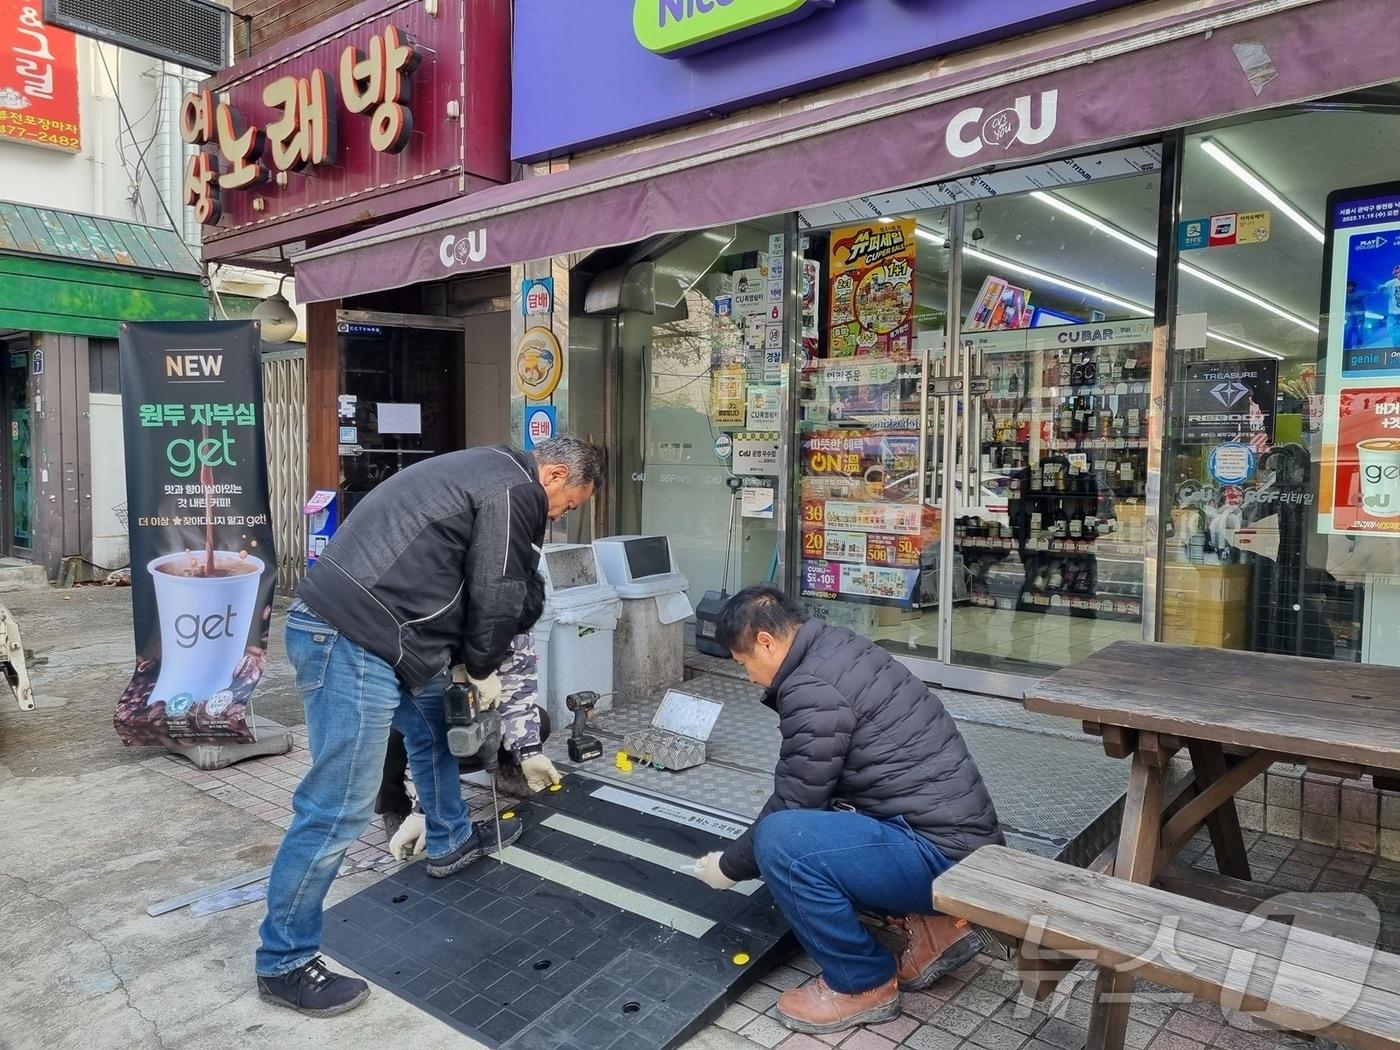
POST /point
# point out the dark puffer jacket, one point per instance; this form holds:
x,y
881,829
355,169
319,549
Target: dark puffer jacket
x,y
859,728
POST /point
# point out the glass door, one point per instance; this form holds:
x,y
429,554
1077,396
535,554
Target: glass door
x,y
974,448
1049,528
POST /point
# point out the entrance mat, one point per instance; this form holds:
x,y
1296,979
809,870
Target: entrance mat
x,y
588,933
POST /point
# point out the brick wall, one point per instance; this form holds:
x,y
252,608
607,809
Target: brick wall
x,y
1350,814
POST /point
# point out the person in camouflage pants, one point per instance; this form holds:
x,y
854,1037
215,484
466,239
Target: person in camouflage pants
x,y
524,768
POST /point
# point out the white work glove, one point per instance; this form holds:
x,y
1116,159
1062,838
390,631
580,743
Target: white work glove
x,y
539,772
707,871
488,690
411,839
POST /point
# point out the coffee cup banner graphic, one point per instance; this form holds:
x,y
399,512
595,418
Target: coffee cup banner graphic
x,y
199,523
1378,463
204,621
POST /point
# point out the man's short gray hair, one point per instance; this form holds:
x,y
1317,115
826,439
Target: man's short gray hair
x,y
584,460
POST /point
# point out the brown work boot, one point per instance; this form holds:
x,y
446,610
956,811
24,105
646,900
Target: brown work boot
x,y
817,1009
933,945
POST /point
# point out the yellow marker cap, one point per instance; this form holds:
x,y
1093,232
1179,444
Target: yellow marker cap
x,y
508,814
741,959
556,787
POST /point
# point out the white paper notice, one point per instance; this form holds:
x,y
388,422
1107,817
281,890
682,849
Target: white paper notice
x,y
758,502
400,417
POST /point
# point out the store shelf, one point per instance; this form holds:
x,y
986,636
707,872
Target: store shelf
x,y
1081,444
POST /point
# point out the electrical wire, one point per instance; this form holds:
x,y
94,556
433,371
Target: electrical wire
x,y
174,223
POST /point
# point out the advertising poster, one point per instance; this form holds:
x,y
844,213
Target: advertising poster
x,y
871,309
1230,399
999,306
38,79
1360,480
728,405
203,566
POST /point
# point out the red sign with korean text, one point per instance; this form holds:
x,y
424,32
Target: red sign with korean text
x,y
385,108
38,79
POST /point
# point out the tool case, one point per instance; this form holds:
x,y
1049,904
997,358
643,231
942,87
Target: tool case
x,y
678,732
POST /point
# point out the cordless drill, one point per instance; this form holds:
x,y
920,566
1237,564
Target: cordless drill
x,y
471,732
582,747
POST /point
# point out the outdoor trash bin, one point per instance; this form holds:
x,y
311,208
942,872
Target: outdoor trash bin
x,y
574,637
649,654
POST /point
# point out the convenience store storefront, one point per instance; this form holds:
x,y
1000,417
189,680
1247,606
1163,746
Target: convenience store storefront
x,y
1120,231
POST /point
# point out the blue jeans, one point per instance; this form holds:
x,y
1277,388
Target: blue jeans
x,y
821,865
351,698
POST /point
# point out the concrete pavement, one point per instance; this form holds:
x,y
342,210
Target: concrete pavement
x,y
90,838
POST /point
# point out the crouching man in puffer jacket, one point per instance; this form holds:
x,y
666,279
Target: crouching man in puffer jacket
x,y
874,795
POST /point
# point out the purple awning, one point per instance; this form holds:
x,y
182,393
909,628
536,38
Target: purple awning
x,y
1093,92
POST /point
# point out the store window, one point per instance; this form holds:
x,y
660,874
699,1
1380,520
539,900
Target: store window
x,y
702,395
1285,421
1034,472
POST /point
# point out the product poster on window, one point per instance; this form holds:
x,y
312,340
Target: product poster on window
x,y
872,290
203,567
1226,400
1360,481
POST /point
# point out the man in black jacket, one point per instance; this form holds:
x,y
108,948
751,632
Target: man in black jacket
x,y
428,574
874,795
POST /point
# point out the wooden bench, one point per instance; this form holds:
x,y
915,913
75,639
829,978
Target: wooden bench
x,y
1288,977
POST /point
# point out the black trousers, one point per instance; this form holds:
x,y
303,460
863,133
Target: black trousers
x,y
393,787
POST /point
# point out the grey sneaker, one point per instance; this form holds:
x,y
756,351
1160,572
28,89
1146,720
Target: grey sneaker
x,y
481,844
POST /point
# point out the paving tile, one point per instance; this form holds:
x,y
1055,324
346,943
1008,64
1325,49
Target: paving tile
x,y
1233,1039
1138,1035
897,1029
958,1021
1021,1016
979,1000
765,1031
784,978
1172,1041
1192,1027
735,1017
802,1042
759,997
920,1005
927,1038
865,1039
1061,1033
995,1036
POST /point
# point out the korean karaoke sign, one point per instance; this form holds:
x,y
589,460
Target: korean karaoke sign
x,y
38,79
370,84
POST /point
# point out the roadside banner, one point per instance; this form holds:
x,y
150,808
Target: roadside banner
x,y
203,567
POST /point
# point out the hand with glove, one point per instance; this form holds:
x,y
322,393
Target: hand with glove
x,y
707,871
488,690
412,837
539,772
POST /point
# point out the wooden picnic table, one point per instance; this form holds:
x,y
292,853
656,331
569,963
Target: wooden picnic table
x,y
1235,714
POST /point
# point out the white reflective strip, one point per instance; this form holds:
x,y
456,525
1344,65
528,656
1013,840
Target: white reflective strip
x,y
608,892
658,855
676,814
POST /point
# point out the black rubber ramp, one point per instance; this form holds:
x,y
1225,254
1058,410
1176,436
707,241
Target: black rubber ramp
x,y
584,936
